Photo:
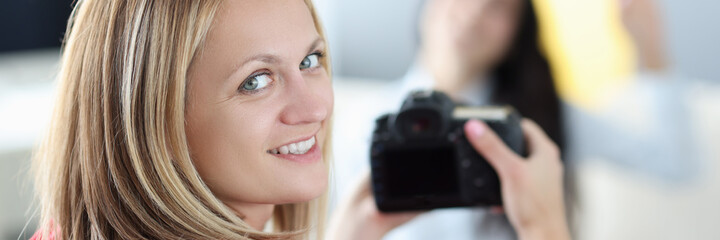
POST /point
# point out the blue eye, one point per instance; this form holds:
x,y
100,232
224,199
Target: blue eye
x,y
256,82
310,61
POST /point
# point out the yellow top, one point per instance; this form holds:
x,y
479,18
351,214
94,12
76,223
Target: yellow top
x,y
589,49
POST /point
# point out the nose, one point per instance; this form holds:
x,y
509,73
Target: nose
x,y
304,103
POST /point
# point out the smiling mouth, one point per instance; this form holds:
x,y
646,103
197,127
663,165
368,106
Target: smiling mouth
x,y
297,148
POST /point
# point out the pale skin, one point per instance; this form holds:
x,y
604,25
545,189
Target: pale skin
x,y
256,85
271,48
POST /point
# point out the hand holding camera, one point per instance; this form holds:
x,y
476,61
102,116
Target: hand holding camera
x,y
421,158
531,187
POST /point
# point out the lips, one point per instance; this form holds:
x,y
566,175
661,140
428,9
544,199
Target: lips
x,y
296,148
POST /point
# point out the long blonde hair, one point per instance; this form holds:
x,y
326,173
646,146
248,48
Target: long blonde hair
x,y
115,162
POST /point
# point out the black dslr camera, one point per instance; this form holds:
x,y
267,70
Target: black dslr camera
x,y
420,158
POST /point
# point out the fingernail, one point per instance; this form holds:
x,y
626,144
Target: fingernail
x,y
474,128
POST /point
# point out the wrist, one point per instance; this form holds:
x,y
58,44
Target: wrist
x,y
355,229
373,227
358,223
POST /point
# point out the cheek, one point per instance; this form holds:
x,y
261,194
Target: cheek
x,y
330,98
505,30
226,144
497,37
229,127
246,130
323,89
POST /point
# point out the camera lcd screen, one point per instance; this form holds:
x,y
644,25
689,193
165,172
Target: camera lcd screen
x,y
421,172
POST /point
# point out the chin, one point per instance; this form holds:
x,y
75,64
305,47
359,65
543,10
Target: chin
x,y
312,187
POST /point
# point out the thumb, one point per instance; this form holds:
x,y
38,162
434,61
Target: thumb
x,y
490,146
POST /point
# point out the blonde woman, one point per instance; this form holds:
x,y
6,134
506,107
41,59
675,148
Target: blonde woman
x,y
182,119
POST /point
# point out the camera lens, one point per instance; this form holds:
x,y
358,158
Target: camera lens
x,y
419,123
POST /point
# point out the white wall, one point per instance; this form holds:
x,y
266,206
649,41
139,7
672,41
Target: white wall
x,y
25,104
376,38
694,37
371,38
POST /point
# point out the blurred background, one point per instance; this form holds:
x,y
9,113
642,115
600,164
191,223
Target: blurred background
x,y
632,90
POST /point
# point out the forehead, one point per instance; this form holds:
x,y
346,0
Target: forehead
x,y
261,26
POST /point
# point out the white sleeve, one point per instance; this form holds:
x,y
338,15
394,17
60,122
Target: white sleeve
x,y
646,128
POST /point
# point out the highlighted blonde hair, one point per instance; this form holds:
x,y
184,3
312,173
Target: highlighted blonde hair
x,y
115,163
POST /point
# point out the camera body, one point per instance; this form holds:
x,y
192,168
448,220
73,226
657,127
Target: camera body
x,y
421,159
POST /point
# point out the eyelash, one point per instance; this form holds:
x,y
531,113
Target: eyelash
x,y
256,74
319,53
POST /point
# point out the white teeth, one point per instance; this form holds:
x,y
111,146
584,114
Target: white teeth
x,y
283,150
295,148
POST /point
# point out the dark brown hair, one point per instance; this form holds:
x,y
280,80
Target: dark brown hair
x,y
524,80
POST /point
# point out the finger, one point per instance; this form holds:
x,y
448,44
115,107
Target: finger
x,y
489,145
538,142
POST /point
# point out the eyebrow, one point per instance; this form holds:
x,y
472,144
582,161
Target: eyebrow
x,y
270,58
315,44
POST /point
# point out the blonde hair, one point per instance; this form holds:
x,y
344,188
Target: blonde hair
x,y
115,162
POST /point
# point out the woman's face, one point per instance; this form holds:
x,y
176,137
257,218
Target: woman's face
x,y
259,103
479,32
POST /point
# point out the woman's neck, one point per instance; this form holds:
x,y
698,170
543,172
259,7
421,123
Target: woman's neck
x,y
450,77
255,215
